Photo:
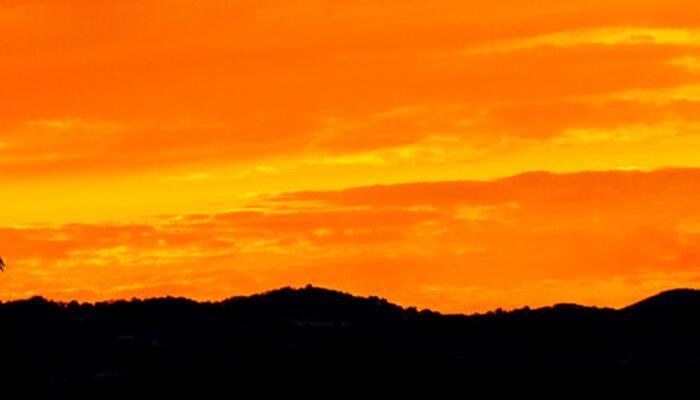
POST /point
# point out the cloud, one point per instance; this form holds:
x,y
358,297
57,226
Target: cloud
x,y
405,241
125,109
606,36
422,134
211,84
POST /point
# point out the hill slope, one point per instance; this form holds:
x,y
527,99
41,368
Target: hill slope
x,y
128,344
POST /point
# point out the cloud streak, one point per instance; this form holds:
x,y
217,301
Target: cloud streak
x,y
212,148
529,237
193,87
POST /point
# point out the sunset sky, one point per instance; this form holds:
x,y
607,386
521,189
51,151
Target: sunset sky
x,y
448,154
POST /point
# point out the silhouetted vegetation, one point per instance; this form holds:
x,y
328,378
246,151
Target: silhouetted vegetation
x,y
174,342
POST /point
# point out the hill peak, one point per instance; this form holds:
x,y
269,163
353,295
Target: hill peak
x,y
670,299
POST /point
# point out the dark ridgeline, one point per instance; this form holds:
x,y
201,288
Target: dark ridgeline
x,y
175,342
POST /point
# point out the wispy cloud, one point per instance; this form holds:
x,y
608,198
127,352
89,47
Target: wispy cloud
x,y
515,234
185,88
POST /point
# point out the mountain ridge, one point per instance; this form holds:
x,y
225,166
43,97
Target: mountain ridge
x,y
672,297
124,345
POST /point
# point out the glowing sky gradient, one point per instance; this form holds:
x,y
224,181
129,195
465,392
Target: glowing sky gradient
x,y
457,155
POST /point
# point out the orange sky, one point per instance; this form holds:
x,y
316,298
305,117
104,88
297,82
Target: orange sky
x,y
457,155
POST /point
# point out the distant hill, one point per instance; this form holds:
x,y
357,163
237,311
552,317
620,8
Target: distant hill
x,y
167,342
671,301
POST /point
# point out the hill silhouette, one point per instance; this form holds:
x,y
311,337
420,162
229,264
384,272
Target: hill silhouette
x,y
168,342
671,301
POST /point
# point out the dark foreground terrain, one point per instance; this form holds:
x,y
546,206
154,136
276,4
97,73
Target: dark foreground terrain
x,y
174,343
